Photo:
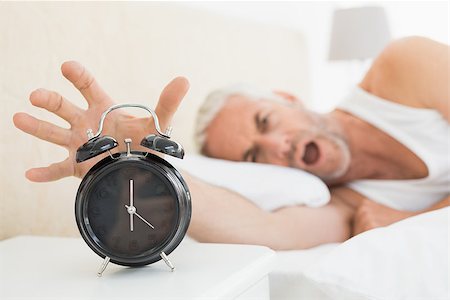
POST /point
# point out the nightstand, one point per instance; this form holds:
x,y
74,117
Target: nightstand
x,y
66,268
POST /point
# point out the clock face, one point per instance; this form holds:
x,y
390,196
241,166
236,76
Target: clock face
x,y
129,211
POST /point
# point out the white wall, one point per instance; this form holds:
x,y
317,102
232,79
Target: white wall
x,y
329,81
134,49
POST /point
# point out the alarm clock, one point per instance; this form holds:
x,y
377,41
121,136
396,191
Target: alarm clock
x,y
132,208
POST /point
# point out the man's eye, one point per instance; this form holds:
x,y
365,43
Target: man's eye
x,y
265,123
253,156
262,121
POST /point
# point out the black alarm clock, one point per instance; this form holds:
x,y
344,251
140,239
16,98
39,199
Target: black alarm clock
x,y
132,208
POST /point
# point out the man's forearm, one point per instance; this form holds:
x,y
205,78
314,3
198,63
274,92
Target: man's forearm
x,y
222,216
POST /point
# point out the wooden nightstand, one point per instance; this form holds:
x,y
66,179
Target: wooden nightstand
x,y
65,268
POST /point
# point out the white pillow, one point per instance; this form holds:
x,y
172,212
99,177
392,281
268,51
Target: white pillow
x,y
407,260
269,187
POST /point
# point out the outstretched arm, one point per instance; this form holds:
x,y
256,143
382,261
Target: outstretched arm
x,y
80,120
218,214
222,216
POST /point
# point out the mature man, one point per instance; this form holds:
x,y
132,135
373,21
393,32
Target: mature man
x,y
388,141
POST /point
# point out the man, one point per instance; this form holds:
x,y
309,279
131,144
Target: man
x,y
342,147
388,138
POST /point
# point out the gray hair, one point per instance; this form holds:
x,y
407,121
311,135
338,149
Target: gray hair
x,y
215,101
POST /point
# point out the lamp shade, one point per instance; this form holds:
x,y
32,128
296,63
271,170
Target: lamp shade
x,y
358,33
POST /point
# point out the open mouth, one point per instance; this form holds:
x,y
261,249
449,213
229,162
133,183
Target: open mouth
x,y
311,154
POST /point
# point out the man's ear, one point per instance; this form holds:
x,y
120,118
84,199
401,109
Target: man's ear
x,y
289,97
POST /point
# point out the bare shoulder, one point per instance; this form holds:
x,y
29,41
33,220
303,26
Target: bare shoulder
x,y
412,71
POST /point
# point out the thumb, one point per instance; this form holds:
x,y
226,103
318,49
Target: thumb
x,y
170,99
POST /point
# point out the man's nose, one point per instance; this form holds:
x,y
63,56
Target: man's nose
x,y
275,147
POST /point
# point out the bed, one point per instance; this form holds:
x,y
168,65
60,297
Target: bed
x,y
134,49
406,260
286,277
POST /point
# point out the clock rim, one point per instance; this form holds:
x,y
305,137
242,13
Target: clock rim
x,y
166,170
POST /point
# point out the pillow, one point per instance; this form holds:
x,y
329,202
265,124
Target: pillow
x,y
407,260
269,187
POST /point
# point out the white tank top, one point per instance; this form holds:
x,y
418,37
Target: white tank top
x,y
423,131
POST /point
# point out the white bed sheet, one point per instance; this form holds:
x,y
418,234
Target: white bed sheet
x,y
286,278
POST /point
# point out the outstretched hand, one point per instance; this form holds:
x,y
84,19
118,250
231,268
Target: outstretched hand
x,y
80,120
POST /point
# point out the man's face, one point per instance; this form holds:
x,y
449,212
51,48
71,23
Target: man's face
x,y
265,131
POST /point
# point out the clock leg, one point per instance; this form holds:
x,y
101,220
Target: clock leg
x,y
103,266
167,261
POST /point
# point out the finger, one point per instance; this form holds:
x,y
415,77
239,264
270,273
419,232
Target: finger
x,y
83,80
360,228
41,129
55,103
358,222
364,208
356,227
170,99
364,203
51,173
289,97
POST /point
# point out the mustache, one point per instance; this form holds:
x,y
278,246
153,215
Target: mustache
x,y
330,136
293,148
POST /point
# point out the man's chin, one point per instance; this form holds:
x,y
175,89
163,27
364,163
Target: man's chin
x,y
343,166
333,177
337,174
329,175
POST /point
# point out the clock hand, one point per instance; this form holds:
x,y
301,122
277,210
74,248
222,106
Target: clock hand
x,y
132,211
145,221
131,205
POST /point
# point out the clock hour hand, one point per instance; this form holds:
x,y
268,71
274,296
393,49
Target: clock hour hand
x,y
144,220
132,211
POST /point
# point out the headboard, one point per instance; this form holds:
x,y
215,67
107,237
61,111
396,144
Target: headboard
x,y
133,49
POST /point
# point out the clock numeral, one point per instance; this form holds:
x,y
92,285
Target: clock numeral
x,y
129,172
111,181
96,211
160,190
149,179
168,207
116,242
152,238
103,193
102,231
133,245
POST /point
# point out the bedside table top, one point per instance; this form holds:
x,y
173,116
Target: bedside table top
x,y
62,268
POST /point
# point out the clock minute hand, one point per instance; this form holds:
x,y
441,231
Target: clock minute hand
x,y
132,211
131,205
